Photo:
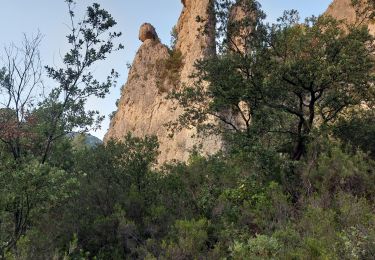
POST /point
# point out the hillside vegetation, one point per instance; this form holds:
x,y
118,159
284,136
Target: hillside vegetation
x,y
293,102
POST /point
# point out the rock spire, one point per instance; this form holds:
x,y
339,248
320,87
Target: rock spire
x,y
143,108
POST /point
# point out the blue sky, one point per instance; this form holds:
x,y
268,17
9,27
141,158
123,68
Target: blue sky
x,y
50,16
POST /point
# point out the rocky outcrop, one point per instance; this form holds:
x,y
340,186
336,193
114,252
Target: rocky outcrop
x,y
196,34
147,32
344,10
143,108
239,26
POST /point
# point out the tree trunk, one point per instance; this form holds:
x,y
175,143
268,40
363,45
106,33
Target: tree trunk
x,y
299,149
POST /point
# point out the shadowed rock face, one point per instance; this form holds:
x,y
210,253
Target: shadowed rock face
x,y
143,108
240,14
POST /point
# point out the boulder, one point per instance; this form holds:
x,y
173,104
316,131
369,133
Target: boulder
x,y
147,32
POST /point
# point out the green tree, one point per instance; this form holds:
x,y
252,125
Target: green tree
x,y
281,82
115,196
29,126
27,190
190,241
357,131
318,72
91,41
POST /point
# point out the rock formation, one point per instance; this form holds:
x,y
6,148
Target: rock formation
x,y
344,10
239,26
147,32
196,39
143,108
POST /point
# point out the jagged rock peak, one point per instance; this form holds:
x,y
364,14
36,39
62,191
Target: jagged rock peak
x,y
147,31
195,39
187,3
144,108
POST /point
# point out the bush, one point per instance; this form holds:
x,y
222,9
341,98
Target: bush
x,y
336,171
260,247
190,240
169,71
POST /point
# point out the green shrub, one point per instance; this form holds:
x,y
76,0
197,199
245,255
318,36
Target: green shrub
x,y
169,70
190,239
355,243
260,247
336,171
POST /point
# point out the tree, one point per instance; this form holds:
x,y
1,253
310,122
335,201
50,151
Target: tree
x,y
318,72
27,190
29,127
357,132
281,82
20,87
115,195
63,110
91,41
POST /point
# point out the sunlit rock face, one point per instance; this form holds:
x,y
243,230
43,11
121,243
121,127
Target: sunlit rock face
x,y
143,108
343,10
196,39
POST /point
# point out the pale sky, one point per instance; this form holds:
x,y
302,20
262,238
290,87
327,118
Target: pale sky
x,y
50,16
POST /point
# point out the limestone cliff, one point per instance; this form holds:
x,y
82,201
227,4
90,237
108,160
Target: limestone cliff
x,y
240,18
143,108
196,39
344,10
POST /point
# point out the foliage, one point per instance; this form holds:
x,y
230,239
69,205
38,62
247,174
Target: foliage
x,y
174,37
357,131
191,239
265,196
169,70
36,159
91,41
296,78
260,247
29,189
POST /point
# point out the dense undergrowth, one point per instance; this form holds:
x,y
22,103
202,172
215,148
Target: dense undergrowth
x,y
108,203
